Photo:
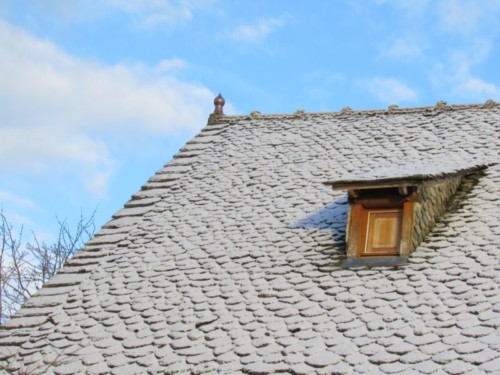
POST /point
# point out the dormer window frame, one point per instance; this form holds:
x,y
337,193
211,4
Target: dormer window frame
x,y
380,221
420,197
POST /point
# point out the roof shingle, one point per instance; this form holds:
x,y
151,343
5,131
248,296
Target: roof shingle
x,y
228,259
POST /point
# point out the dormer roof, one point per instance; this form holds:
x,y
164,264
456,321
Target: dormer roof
x,y
404,176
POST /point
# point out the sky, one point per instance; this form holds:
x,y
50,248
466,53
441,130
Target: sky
x,y
97,95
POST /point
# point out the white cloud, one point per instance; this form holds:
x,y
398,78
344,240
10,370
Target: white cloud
x,y
407,48
475,52
454,45
390,90
20,222
457,77
57,108
150,13
258,30
458,80
169,65
142,13
464,17
469,16
469,86
96,182
13,199
412,7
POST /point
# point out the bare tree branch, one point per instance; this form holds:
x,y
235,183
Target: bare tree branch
x,y
25,267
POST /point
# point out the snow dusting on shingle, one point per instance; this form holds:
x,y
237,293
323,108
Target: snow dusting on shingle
x,y
228,259
424,171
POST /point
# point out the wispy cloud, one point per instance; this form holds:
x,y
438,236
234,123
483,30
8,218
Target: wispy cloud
x,y
451,41
58,109
402,48
257,31
390,90
457,77
469,16
457,74
150,13
413,7
169,65
16,208
474,87
15,200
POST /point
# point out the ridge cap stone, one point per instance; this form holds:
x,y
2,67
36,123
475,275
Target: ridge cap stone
x,y
350,112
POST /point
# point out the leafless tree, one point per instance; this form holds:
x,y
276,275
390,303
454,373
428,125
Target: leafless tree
x,y
24,267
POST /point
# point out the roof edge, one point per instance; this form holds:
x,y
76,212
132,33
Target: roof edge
x,y
440,107
395,181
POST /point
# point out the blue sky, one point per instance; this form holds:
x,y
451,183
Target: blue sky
x,y
95,96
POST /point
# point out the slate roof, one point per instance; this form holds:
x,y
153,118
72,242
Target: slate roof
x,y
405,175
227,260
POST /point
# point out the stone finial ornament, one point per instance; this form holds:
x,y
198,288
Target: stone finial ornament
x,y
392,108
489,104
441,105
219,105
299,113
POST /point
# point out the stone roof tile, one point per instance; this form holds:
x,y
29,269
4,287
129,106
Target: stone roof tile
x,y
228,258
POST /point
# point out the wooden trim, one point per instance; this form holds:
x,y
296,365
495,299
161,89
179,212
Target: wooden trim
x,y
357,230
403,190
381,184
406,180
363,216
407,228
386,202
353,231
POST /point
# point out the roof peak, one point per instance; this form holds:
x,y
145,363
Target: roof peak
x,y
393,109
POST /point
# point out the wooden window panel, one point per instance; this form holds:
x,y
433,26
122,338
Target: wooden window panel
x,y
380,221
381,232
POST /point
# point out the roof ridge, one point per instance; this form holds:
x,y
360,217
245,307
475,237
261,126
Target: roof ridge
x,y
440,106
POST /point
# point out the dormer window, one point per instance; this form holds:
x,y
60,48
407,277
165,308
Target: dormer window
x,y
390,216
380,220
382,229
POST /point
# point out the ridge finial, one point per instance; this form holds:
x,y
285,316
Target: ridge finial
x,y
219,105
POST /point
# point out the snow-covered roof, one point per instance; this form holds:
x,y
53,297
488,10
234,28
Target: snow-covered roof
x,y
228,259
407,175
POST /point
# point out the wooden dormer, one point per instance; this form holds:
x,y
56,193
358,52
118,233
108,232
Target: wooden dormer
x,y
380,221
390,216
